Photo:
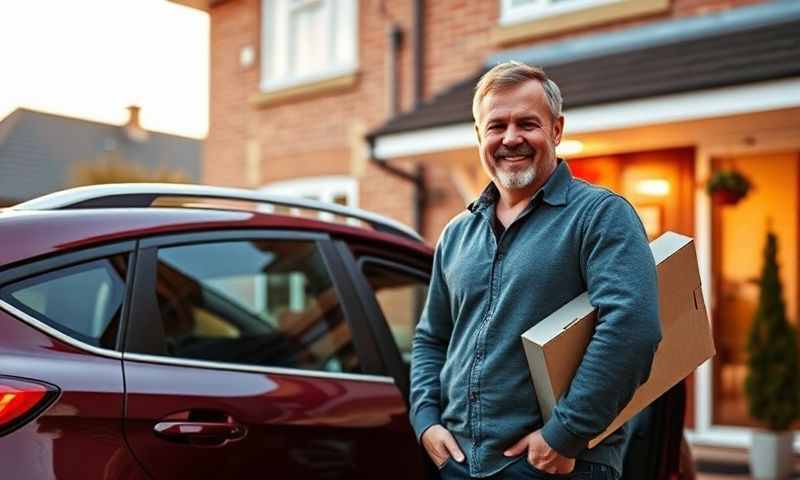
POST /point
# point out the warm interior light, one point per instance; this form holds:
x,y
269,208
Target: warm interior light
x,y
653,188
569,147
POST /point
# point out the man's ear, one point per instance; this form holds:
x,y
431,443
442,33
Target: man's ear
x,y
558,129
478,134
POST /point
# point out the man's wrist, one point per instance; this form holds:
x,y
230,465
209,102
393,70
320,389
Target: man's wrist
x,y
425,419
560,439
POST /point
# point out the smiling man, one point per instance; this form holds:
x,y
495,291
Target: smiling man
x,y
535,239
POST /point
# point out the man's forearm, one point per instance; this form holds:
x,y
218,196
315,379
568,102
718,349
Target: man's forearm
x,y
621,279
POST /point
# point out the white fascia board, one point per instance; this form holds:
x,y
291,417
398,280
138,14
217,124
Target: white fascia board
x,y
429,140
718,102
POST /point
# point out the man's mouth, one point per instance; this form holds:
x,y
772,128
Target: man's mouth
x,y
515,158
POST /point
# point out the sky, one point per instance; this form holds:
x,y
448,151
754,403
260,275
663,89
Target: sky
x,y
92,58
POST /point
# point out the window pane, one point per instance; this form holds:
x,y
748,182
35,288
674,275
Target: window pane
x,y
268,303
83,301
401,297
308,30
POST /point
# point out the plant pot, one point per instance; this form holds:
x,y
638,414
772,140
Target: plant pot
x,y
726,197
771,454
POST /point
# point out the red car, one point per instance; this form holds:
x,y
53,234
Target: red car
x,y
148,333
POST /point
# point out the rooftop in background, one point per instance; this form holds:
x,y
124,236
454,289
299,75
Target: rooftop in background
x,y
37,150
745,45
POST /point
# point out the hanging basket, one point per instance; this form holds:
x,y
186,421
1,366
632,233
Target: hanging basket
x,y
728,187
726,197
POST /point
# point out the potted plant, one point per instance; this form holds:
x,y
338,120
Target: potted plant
x,y
773,382
728,187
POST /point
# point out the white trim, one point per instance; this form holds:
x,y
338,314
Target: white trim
x,y
239,367
733,437
57,334
430,140
510,15
718,102
704,395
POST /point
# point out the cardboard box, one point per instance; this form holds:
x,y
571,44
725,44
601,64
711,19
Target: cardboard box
x,y
555,346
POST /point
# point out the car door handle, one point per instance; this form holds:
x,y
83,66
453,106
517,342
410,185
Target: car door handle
x,y
200,433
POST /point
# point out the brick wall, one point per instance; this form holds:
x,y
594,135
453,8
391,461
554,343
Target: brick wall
x,y
250,145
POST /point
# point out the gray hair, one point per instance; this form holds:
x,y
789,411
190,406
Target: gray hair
x,y
510,74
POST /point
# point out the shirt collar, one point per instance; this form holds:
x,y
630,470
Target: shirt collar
x,y
553,192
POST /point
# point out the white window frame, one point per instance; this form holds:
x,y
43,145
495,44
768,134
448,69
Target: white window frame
x,y
510,15
275,34
324,189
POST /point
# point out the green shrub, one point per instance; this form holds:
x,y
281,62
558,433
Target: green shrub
x,y
773,382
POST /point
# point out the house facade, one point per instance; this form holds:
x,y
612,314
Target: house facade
x,y
368,103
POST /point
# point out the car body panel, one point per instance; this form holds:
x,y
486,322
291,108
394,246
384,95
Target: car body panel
x,y
85,418
297,425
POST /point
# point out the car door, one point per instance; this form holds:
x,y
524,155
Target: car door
x,y
247,353
392,287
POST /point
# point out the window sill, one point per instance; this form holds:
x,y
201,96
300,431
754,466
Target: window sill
x,y
571,20
304,91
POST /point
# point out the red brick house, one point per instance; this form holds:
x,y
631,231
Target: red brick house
x,y
367,103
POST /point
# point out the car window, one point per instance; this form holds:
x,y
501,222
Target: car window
x,y
259,302
83,301
401,296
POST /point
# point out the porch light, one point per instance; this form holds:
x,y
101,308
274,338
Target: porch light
x,y
652,188
569,147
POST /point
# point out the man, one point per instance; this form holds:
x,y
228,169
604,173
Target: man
x,y
535,239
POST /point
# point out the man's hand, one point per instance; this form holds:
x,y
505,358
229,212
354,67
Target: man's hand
x,y
540,455
441,445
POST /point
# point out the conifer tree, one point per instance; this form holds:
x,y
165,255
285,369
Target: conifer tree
x,y
773,381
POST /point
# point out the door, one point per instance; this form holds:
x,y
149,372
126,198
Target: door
x,y
246,354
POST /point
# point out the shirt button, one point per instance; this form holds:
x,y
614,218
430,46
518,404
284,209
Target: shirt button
x,y
478,356
473,396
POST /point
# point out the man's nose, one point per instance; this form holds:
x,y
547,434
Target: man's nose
x,y
512,136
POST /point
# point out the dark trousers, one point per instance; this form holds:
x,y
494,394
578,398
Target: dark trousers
x,y
522,470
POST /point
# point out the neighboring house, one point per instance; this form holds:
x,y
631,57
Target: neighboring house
x,y
39,151
658,94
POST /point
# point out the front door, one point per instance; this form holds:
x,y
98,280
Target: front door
x,y
243,357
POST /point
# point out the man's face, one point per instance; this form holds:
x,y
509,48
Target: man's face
x,y
517,135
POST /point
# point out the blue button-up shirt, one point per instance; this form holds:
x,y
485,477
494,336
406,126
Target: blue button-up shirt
x,y
469,372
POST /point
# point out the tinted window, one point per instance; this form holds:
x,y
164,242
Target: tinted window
x,y
268,303
83,301
401,296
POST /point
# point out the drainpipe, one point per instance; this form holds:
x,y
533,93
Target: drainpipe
x,y
419,64
417,178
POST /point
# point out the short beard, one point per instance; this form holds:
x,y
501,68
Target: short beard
x,y
514,180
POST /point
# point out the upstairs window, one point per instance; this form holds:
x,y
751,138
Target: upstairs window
x,y
517,11
304,41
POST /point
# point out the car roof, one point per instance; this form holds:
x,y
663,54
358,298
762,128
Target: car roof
x,y
29,234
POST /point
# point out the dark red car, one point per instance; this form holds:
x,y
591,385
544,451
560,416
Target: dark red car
x,y
141,339
212,342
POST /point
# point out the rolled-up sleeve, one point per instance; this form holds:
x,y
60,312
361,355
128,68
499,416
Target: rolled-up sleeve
x,y
621,280
429,350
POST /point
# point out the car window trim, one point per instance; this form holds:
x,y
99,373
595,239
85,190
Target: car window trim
x,y
144,307
176,239
61,260
57,334
378,324
242,367
64,260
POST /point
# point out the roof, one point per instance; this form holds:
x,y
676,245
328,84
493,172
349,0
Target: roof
x,y
38,149
35,233
745,45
